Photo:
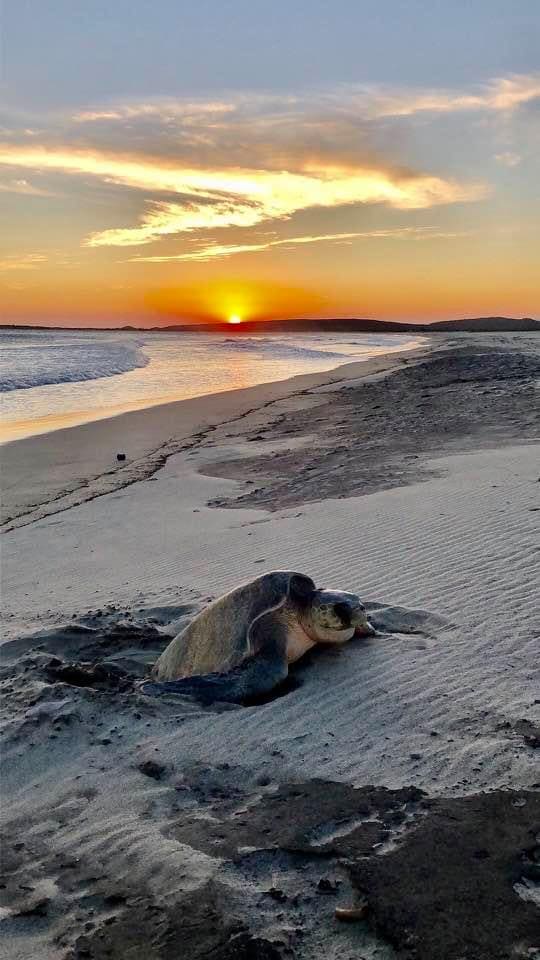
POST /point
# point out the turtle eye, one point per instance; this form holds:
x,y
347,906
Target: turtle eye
x,y
343,611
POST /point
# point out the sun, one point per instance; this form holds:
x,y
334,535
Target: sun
x,y
234,319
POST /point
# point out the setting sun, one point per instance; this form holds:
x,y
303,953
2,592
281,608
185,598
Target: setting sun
x,y
235,319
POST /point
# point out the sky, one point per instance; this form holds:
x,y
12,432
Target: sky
x,y
166,162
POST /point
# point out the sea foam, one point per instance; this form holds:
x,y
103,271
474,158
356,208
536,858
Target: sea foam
x,y
33,360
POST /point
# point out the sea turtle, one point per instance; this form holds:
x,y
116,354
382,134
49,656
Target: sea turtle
x,y
241,645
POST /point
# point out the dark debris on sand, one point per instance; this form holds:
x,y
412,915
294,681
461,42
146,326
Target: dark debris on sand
x,y
451,889
443,879
447,890
196,929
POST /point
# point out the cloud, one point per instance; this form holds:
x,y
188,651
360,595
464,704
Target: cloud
x,y
92,116
498,94
23,187
248,159
164,219
165,108
348,124
508,159
28,261
221,251
507,93
213,252
502,94
239,197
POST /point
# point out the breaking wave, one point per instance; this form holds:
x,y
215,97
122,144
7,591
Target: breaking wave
x,y
280,349
32,360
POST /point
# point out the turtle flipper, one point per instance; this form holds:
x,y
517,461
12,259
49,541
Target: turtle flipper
x,y
253,678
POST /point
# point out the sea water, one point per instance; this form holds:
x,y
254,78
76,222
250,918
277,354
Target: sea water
x,y
56,378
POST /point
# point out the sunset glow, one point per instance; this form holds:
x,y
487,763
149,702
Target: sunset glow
x,y
383,190
269,336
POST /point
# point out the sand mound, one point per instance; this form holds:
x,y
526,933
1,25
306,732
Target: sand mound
x,y
108,650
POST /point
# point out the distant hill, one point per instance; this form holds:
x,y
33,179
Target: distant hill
x,y
486,324
349,325
298,326
358,325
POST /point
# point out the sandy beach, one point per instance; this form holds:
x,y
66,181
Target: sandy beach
x,y
399,773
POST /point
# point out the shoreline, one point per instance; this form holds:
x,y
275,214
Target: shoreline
x,y
22,429
81,459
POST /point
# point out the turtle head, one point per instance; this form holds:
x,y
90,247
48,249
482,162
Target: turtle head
x,y
335,616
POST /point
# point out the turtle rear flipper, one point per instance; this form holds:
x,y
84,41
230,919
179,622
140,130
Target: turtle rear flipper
x,y
253,678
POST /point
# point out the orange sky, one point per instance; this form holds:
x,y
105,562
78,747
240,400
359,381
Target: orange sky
x,y
376,197
383,278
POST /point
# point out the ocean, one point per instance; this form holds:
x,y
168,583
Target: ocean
x,y
55,378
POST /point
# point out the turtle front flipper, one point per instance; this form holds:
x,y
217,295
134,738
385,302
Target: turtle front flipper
x,y
253,678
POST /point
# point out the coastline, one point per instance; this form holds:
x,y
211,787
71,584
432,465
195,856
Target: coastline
x,y
72,464
137,824
157,374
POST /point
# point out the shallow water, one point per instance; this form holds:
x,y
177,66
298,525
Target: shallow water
x,y
59,378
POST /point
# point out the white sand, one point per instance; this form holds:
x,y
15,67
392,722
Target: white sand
x,y
462,546
436,711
